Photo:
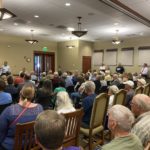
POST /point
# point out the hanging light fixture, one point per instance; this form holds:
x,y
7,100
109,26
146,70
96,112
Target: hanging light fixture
x,y
4,13
31,41
79,32
70,46
116,40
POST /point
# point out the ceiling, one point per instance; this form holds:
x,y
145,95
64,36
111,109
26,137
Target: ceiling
x,y
100,20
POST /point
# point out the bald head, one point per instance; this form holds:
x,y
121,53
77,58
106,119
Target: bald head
x,y
140,104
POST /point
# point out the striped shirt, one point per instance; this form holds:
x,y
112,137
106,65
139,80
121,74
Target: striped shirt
x,y
141,128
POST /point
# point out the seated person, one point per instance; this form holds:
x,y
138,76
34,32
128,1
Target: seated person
x,y
111,92
44,95
140,106
120,120
141,82
129,85
24,111
10,88
61,87
50,131
5,98
116,80
97,84
64,103
19,80
87,103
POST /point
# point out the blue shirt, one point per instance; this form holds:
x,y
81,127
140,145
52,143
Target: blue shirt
x,y
7,131
87,107
71,148
5,98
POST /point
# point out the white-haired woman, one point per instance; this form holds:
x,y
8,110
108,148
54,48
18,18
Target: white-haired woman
x,y
64,103
111,92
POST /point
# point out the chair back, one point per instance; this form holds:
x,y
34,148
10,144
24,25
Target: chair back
x,y
24,136
146,89
99,110
119,97
139,90
73,122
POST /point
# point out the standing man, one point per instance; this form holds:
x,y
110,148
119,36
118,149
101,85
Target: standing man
x,y
120,69
6,68
144,71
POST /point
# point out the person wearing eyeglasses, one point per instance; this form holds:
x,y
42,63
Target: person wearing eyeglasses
x,y
140,106
120,120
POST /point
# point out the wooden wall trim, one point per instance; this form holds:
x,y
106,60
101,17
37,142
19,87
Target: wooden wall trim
x,y
144,47
127,48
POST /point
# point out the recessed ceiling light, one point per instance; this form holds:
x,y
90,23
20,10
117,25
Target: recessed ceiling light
x,y
36,16
67,4
141,33
16,24
1,29
116,23
70,29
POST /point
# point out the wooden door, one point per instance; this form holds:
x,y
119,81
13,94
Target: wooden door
x,y
44,61
86,63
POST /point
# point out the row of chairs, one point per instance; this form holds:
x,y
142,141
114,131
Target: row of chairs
x,y
145,90
24,135
25,132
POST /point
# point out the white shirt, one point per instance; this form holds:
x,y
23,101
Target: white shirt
x,y
111,101
5,69
144,70
66,110
102,68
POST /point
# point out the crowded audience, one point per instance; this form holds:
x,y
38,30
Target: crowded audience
x,y
67,91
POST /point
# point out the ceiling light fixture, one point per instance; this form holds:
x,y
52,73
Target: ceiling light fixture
x,y
116,40
4,13
70,46
68,4
31,41
79,32
36,16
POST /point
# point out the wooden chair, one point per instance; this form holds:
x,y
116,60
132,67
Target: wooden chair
x,y
73,122
24,136
97,120
146,89
139,90
119,97
147,146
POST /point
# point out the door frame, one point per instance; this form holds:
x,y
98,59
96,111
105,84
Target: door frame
x,y
83,59
52,54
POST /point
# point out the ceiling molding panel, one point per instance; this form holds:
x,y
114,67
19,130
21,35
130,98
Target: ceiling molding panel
x,y
116,4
